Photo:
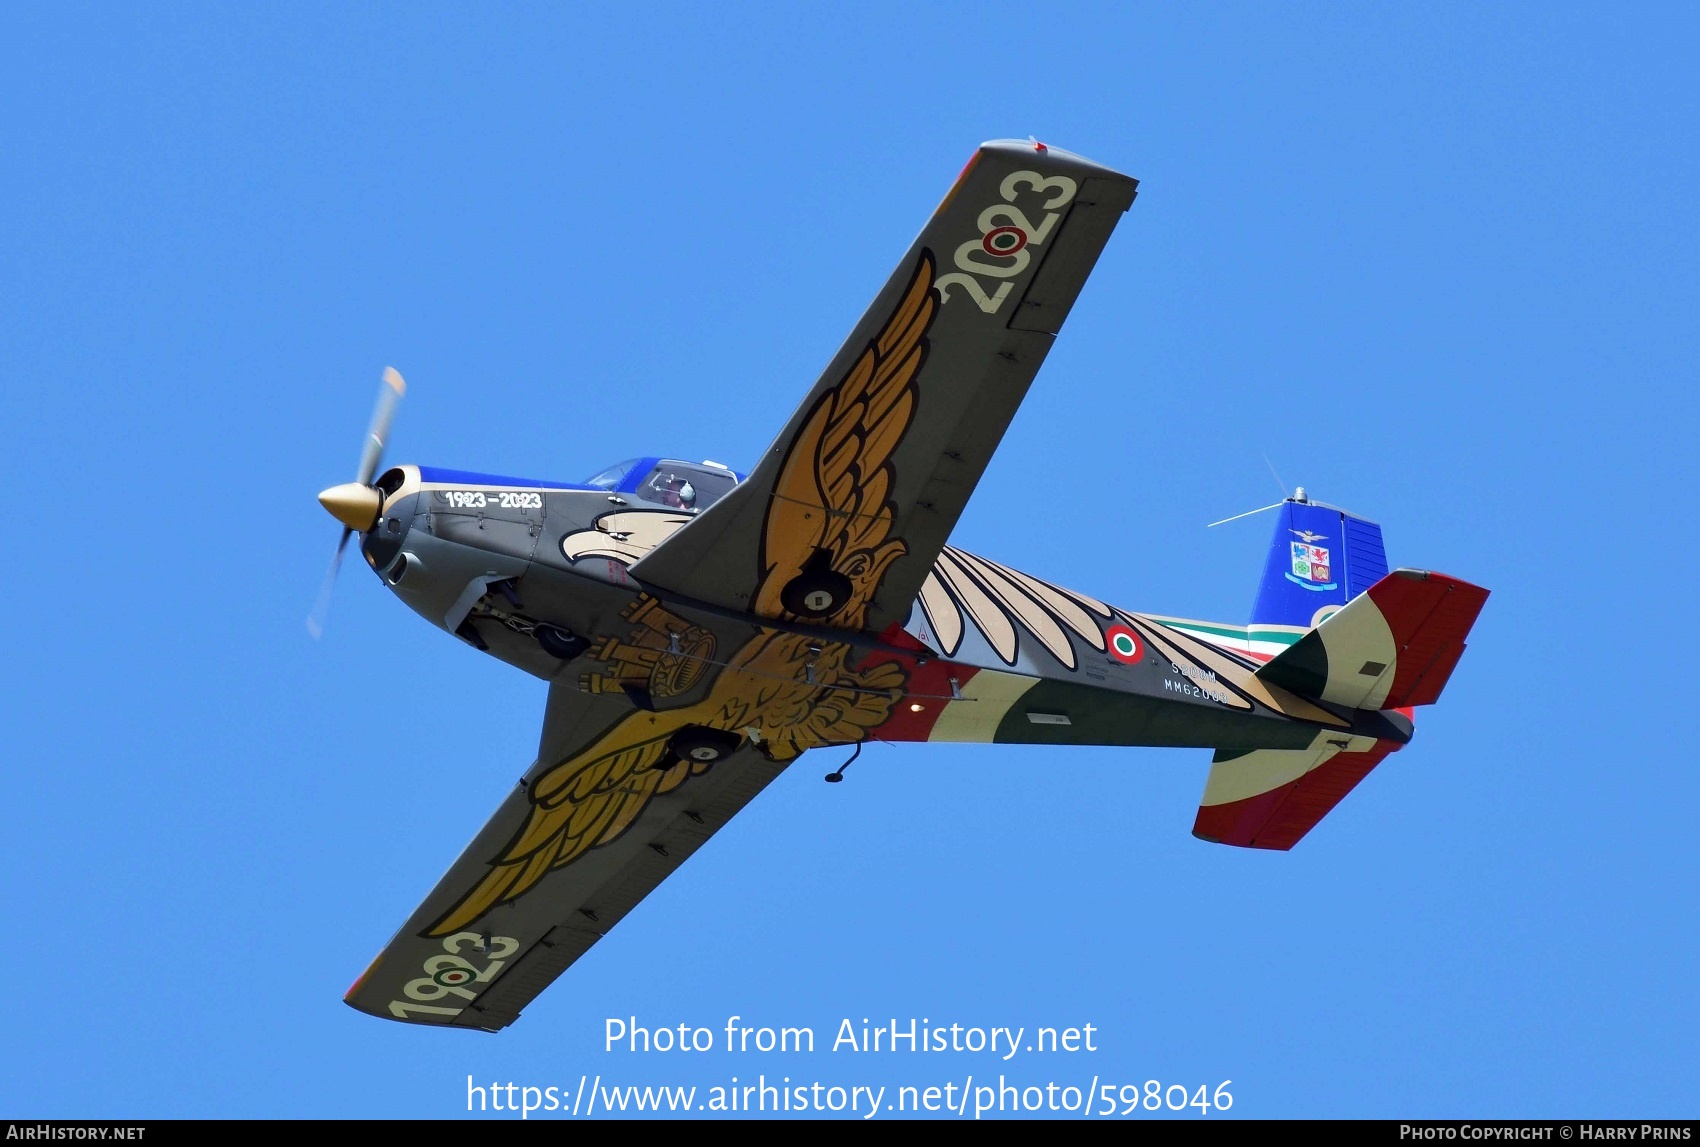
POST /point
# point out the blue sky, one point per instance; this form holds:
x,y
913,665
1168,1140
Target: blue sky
x,y
1437,262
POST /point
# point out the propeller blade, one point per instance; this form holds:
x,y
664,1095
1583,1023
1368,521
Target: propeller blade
x,y
342,502
389,397
322,607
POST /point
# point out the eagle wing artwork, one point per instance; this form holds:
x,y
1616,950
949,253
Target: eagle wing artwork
x,y
701,629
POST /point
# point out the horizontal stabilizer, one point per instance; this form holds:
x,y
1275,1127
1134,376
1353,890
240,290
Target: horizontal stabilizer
x,y
1393,646
1269,798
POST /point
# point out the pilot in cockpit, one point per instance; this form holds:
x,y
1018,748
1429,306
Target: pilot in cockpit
x,y
673,490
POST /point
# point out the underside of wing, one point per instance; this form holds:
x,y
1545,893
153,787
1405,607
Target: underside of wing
x,y
604,816
840,522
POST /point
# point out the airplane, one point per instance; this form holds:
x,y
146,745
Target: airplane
x,y
701,628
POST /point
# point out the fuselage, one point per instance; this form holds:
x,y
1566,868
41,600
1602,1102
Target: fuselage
x,y
515,567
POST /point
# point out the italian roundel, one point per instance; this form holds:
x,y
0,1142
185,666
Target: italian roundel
x,y
1123,644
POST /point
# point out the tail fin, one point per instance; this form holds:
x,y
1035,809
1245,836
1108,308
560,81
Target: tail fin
x,y
1320,558
1362,637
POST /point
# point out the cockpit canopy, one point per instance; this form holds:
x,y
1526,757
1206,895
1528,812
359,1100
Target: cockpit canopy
x,y
688,486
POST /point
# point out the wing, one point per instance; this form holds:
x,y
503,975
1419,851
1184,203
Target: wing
x,y
602,819
831,503
840,522
584,802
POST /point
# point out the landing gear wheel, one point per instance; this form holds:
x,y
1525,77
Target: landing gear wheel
x,y
697,745
560,643
816,593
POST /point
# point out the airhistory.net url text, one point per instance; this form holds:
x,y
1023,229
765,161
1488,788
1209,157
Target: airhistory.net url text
x,y
592,1097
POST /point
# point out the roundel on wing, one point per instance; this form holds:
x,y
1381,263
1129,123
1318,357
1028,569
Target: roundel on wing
x,y
1122,644
1003,240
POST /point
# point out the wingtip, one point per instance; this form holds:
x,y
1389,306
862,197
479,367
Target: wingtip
x,y
348,996
1054,154
393,380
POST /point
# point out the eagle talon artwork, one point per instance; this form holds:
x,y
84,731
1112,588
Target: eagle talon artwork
x,y
700,629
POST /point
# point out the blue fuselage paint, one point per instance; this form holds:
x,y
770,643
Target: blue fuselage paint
x,y
471,478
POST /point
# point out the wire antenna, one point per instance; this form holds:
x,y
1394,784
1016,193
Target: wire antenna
x,y
1248,513
1280,485
838,774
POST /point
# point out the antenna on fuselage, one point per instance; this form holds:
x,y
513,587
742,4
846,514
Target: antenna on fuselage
x,y
838,774
1249,513
1298,495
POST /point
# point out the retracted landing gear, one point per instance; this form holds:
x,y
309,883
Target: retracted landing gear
x,y
699,745
502,605
818,591
558,642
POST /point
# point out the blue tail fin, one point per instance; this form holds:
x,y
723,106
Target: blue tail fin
x,y
1321,557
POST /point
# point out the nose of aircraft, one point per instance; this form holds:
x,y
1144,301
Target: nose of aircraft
x,y
354,504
